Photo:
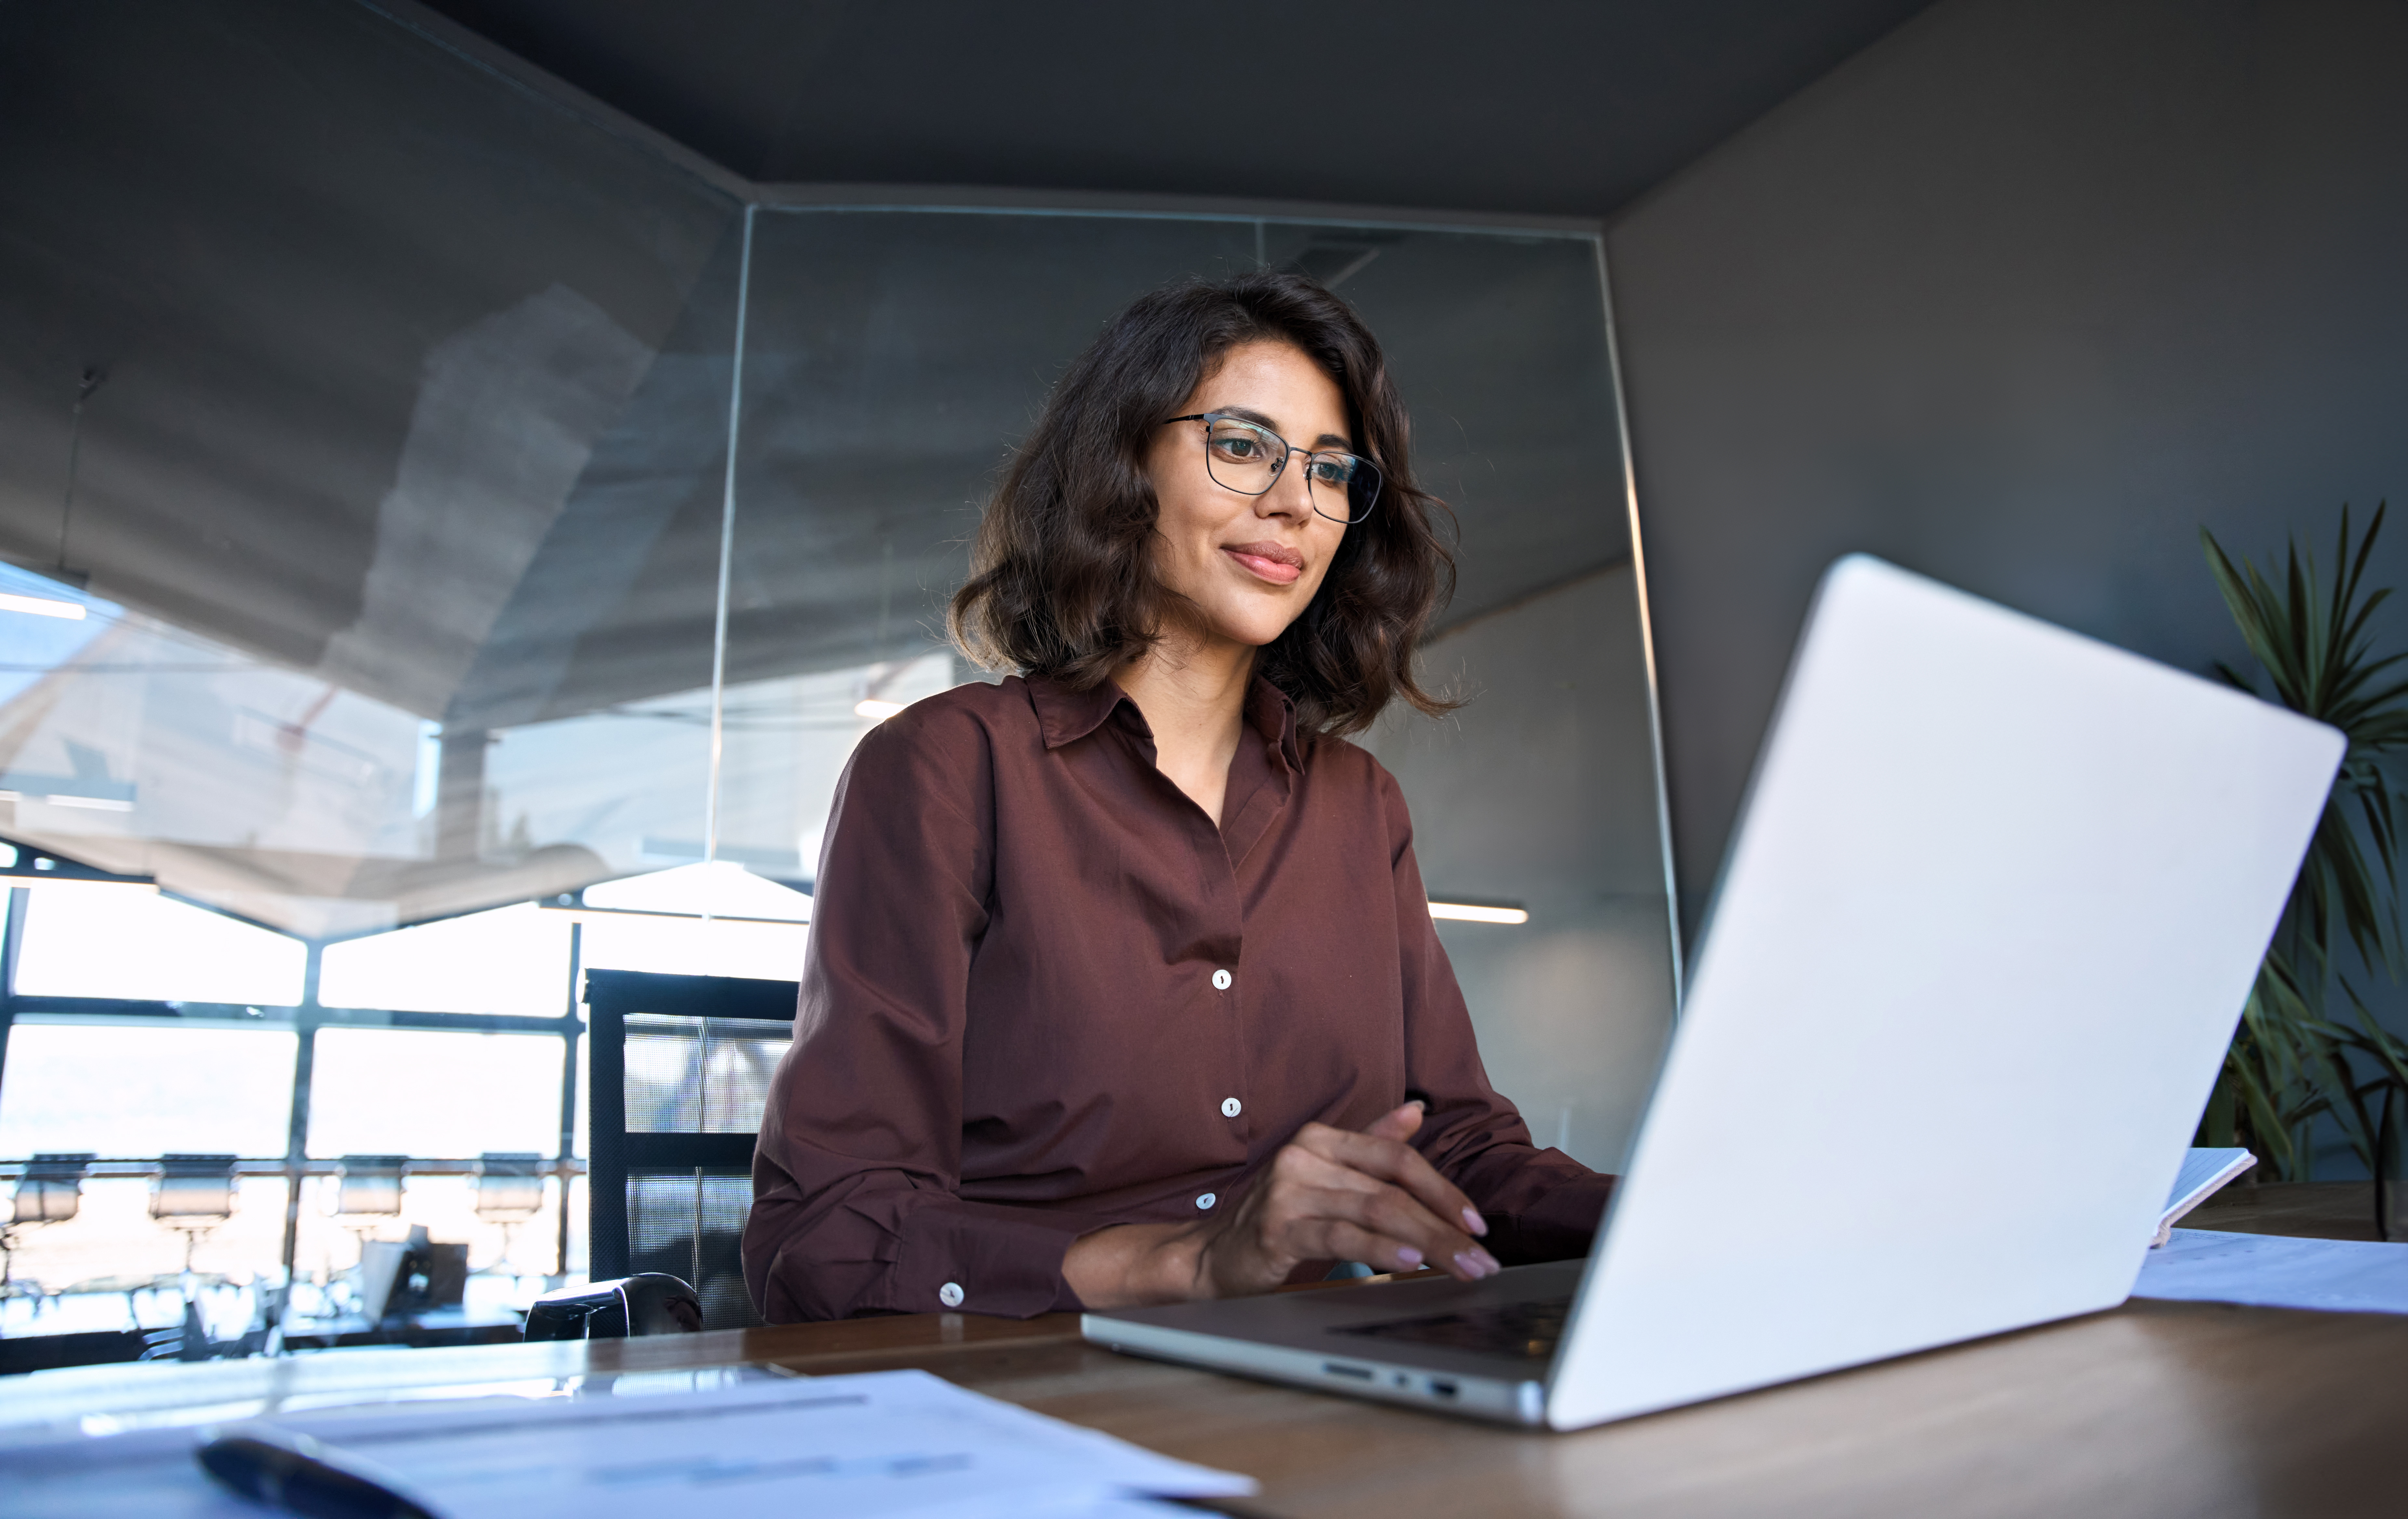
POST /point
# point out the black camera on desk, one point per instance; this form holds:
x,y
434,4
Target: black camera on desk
x,y
401,1278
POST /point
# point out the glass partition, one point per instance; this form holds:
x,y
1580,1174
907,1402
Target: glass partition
x,y
891,358
394,550
359,403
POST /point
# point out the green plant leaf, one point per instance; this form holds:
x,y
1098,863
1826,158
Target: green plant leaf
x,y
2289,1063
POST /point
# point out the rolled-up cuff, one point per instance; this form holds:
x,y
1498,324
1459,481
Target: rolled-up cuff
x,y
975,1257
1559,1223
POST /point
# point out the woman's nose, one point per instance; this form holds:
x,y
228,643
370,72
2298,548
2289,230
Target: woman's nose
x,y
1290,495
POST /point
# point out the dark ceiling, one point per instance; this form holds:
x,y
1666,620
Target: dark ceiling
x,y
1559,107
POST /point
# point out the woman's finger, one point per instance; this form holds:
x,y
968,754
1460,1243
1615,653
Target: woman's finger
x,y
1303,1221
1395,1162
1345,1242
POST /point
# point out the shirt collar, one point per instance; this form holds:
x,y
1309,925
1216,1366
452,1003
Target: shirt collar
x,y
1065,715
1273,716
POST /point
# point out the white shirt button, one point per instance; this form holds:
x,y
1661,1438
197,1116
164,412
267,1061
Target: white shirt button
x,y
950,1295
1231,1107
1206,1200
1220,980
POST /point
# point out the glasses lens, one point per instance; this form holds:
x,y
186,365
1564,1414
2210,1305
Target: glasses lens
x,y
1344,487
1242,456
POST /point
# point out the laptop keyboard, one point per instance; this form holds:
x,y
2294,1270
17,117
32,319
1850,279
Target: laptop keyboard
x,y
1527,1330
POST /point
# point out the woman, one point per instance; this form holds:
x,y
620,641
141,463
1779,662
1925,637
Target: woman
x,y
1121,986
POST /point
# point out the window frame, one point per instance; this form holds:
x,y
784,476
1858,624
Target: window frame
x,y
303,1019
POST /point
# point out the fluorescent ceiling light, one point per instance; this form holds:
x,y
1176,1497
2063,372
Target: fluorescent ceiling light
x,y
98,804
1473,912
875,709
41,607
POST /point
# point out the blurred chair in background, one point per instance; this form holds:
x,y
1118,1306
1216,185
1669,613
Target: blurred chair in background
x,y
50,1191
679,1072
509,1191
192,1195
369,1189
367,1196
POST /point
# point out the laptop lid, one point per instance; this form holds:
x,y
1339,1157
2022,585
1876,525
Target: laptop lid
x,y
1996,899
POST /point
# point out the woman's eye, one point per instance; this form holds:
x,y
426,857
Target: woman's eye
x,y
1237,447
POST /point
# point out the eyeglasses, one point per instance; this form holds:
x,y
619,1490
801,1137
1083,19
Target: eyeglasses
x,y
1247,459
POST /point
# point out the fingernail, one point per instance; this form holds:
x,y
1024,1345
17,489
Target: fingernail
x,y
1472,1221
1408,1258
1475,1263
1489,1261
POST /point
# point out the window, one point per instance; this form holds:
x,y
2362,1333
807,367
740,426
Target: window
x,y
693,947
511,960
434,1093
96,939
134,1088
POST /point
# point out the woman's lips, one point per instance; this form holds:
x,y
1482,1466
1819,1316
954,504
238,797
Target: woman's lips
x,y
1274,561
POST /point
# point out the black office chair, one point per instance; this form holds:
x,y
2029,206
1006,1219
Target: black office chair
x,y
679,1069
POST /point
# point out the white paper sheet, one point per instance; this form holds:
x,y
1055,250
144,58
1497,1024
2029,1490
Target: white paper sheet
x,y
2203,1172
879,1445
2269,1270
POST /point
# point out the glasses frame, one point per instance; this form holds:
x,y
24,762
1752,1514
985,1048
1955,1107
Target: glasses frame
x,y
1291,451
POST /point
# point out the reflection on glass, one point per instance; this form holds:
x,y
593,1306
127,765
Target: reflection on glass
x,y
787,741
394,526
129,1090
424,1092
351,494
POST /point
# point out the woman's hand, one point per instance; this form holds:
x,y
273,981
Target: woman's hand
x,y
1329,1194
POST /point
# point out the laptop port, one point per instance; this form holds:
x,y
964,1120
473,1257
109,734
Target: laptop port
x,y
1338,1369
1441,1388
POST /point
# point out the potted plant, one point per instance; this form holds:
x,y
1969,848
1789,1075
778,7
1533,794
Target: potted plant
x,y
2308,1044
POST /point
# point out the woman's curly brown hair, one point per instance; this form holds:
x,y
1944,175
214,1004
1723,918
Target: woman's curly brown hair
x,y
1062,579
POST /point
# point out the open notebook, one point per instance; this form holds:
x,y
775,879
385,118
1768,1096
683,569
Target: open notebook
x,y
2202,1172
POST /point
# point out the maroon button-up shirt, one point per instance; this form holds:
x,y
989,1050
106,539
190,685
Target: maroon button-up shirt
x,y
1044,995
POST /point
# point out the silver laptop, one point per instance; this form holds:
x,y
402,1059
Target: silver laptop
x,y
1996,899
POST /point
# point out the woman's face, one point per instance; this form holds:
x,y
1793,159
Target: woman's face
x,y
1249,564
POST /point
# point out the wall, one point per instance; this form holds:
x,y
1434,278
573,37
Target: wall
x,y
1542,791
2019,297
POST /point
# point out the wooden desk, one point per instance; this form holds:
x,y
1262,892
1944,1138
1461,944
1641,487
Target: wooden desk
x,y
2172,1409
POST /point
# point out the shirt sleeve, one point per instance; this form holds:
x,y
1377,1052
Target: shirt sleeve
x,y
1540,1205
855,1181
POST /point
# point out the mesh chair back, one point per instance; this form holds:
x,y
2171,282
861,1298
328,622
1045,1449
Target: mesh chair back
x,y
509,1184
371,1186
50,1191
192,1191
679,1072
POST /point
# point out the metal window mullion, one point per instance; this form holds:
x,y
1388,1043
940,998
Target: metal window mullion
x,y
19,900
568,1034
726,544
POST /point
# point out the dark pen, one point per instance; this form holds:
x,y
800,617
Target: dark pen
x,y
293,1472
